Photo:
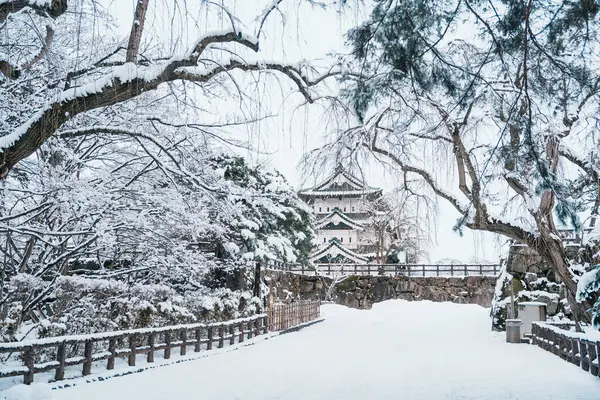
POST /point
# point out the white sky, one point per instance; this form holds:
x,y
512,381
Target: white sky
x,y
308,33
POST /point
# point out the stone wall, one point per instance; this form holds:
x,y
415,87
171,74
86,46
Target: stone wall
x,y
362,291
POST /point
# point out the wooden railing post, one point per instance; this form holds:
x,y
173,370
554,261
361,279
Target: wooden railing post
x,y
221,336
61,353
451,269
183,339
250,332
112,349
265,324
466,272
231,334
151,339
242,332
210,335
592,354
168,340
197,345
132,350
87,355
29,363
585,360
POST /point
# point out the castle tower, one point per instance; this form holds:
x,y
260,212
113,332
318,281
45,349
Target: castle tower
x,y
339,203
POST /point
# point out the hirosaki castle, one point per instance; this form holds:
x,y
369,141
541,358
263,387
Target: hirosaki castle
x,y
343,233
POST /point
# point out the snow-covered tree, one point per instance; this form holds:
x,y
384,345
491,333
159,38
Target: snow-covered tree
x,y
62,64
502,95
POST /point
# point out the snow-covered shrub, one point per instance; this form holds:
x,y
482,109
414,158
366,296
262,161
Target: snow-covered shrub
x,y
589,287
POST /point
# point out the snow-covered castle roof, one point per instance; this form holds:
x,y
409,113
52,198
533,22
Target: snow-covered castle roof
x,y
340,184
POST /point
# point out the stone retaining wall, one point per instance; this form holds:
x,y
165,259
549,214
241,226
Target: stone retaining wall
x,y
362,291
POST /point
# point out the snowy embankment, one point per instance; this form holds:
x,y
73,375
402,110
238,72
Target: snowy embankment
x,y
397,350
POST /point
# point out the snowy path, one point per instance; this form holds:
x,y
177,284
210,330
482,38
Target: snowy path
x,y
398,350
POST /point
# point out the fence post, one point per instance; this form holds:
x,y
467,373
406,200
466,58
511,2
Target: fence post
x,y
241,328
183,338
61,352
150,356
265,324
112,349
591,350
167,353
132,350
585,363
221,336
87,354
232,334
198,340
29,362
210,338
250,332
451,269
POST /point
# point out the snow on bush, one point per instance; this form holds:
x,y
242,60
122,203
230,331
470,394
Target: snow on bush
x,y
589,287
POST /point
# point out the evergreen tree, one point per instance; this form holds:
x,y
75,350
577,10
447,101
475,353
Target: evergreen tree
x,y
506,87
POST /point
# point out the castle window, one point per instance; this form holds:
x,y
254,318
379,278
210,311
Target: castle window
x,y
324,240
327,209
342,240
352,208
319,209
349,240
344,209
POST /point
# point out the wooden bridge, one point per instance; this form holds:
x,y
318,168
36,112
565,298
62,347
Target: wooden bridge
x,y
410,270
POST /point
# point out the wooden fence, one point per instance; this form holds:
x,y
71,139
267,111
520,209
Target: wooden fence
x,y
287,315
570,346
389,269
84,350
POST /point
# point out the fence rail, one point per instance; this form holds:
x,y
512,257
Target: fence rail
x,y
286,315
390,269
570,346
84,350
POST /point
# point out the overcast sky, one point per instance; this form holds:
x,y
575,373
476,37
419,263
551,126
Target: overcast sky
x,y
309,33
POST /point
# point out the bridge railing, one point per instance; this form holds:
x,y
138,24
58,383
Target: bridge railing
x,y
573,347
410,270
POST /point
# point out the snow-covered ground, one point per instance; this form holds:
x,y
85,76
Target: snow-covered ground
x,y
397,350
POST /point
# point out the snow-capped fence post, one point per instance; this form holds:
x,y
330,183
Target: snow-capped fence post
x,y
29,363
256,327
151,340
198,344
132,350
221,336
231,334
87,354
249,330
112,349
183,339
584,357
242,333
451,269
210,338
592,354
167,352
61,353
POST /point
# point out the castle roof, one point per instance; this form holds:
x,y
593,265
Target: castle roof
x,y
338,218
340,183
335,250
